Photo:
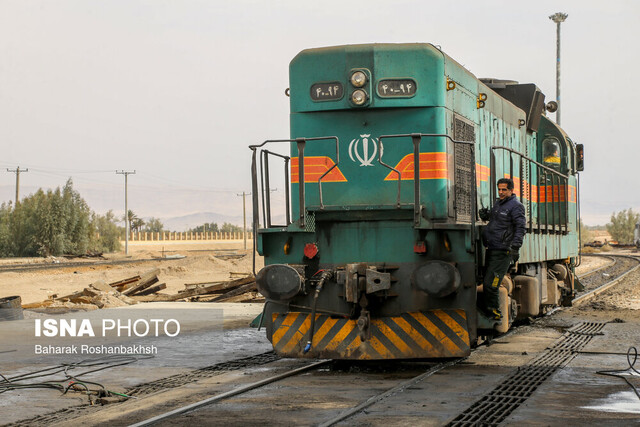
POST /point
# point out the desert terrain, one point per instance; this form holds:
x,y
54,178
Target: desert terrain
x,y
204,261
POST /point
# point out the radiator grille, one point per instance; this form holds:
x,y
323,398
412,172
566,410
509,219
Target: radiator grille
x,y
309,221
464,169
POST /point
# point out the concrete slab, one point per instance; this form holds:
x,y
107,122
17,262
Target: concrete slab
x,y
210,333
438,399
577,395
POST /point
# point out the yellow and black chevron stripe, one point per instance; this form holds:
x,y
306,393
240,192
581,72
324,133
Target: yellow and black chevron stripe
x,y
424,334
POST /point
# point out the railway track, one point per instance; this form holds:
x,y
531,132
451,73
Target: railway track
x,y
527,378
521,384
599,280
162,384
491,409
43,266
222,253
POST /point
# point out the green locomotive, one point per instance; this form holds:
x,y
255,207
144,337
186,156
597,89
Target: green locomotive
x,y
376,261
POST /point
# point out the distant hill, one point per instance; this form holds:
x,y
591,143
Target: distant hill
x,y
185,222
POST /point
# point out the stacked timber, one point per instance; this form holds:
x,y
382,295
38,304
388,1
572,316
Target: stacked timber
x,y
140,285
236,290
145,288
100,294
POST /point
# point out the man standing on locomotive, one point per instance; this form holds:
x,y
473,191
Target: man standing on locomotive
x,y
502,237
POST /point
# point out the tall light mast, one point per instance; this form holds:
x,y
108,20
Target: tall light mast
x,y
558,18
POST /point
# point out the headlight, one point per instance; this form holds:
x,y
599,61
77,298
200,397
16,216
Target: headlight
x,y
358,79
437,278
359,97
279,282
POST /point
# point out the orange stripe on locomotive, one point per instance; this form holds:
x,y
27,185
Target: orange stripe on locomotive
x,y
314,168
432,166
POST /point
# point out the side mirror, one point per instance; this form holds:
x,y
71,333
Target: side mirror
x,y
579,157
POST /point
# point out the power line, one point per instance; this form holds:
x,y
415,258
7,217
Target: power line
x,y
126,210
182,185
63,170
17,172
244,216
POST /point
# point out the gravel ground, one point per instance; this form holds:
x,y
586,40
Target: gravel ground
x,y
590,263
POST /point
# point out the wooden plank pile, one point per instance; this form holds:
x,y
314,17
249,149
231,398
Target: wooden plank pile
x,y
236,290
100,294
145,288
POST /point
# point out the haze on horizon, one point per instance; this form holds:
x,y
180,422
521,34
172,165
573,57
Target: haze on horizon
x,y
177,90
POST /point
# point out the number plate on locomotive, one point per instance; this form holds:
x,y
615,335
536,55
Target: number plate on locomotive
x,y
397,88
331,91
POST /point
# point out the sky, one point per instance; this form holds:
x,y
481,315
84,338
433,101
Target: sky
x,y
177,90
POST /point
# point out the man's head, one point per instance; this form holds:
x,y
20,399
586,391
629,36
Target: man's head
x,y
505,188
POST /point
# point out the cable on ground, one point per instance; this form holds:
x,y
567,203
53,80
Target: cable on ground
x,y
72,382
625,373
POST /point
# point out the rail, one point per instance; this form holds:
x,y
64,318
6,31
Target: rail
x,y
231,393
614,281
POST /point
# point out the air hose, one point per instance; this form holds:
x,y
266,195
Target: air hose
x,y
326,275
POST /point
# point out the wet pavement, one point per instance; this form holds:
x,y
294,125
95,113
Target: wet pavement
x,y
209,334
573,395
577,395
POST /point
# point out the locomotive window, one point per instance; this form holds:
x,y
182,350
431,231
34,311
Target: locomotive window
x,y
551,151
571,155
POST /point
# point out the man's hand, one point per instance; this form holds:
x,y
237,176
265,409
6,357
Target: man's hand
x,y
485,214
515,254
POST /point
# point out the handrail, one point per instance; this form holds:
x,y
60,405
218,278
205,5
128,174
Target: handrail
x,y
300,142
266,190
254,188
500,147
416,138
286,181
562,178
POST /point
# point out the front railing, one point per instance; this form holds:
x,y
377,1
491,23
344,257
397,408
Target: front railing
x,y
264,179
542,175
416,139
261,196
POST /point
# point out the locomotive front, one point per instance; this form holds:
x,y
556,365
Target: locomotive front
x,y
375,261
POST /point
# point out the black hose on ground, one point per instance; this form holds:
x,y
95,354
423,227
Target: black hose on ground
x,y
629,371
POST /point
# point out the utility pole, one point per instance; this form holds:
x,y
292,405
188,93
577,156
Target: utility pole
x,y
244,215
17,172
126,210
558,18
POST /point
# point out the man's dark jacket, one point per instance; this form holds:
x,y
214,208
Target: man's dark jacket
x,y
507,225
